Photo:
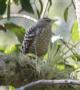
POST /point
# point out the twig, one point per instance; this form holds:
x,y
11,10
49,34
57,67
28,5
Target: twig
x,y
71,48
44,9
36,10
8,9
19,16
49,82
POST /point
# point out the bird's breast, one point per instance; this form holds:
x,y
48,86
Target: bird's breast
x,y
41,42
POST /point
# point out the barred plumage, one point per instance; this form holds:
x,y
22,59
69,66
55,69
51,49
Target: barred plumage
x,y
36,40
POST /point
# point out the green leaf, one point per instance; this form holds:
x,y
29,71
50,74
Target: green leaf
x,y
77,56
19,31
12,48
75,34
2,48
66,12
26,5
71,62
12,88
61,66
2,6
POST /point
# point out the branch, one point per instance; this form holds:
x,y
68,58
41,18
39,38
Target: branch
x,y
49,82
19,16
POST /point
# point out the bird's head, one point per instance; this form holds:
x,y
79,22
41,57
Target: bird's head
x,y
47,21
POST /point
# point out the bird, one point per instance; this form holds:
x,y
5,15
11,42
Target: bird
x,y
37,38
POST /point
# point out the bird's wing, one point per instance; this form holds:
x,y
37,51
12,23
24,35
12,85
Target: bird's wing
x,y
28,39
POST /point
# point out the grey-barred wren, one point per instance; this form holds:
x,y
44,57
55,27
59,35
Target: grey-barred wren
x,y
37,39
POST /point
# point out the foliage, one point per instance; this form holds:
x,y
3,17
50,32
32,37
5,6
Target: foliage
x,y
2,6
26,5
19,31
